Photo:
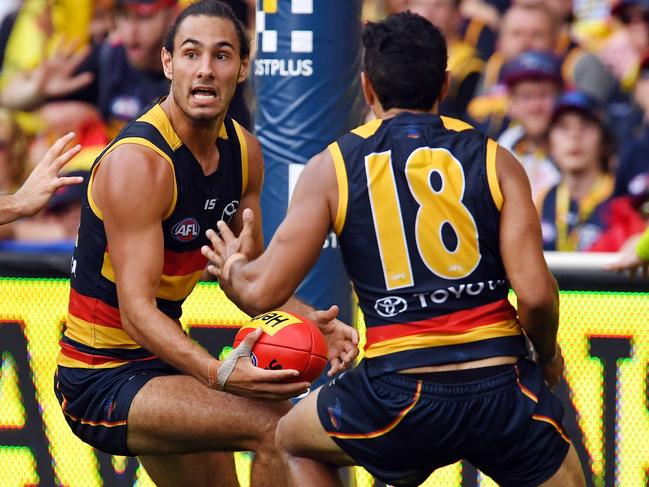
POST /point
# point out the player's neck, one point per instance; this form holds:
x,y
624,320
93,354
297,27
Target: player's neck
x,y
199,138
393,112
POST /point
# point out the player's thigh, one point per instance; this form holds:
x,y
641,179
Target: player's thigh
x,y
301,434
178,414
213,469
570,473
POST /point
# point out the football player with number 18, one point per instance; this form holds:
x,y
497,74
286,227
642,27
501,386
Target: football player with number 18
x,y
433,219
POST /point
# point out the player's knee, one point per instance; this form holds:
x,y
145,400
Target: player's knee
x,y
283,437
265,439
265,432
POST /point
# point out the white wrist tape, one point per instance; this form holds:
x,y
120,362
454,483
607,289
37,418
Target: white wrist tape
x,y
227,366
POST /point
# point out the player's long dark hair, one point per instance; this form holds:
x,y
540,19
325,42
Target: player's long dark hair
x,y
405,59
209,8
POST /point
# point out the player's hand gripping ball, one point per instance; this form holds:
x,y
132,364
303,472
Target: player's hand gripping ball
x,y
289,341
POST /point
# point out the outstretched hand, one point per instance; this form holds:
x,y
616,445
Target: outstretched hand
x,y
44,179
56,76
342,340
225,246
249,381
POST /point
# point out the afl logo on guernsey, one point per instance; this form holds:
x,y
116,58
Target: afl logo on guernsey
x,y
186,230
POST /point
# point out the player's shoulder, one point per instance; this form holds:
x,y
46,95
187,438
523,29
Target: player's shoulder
x,y
456,125
358,136
144,142
460,134
137,159
153,126
248,137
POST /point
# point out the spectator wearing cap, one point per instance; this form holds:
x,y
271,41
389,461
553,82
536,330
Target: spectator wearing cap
x,y
535,26
534,83
573,213
632,175
464,62
523,28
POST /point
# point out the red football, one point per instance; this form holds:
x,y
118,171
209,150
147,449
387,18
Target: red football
x,y
289,341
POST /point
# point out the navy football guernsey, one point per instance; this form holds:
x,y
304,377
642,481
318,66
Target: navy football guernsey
x,y
93,336
418,222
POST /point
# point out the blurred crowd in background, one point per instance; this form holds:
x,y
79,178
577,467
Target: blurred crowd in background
x,y
564,85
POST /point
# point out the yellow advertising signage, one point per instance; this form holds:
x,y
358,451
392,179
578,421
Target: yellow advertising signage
x,y
604,336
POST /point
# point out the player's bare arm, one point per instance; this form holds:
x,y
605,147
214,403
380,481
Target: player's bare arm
x,y
41,184
522,253
250,234
295,247
269,280
136,177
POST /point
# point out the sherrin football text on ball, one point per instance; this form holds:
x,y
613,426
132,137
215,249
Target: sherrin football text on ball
x,y
288,341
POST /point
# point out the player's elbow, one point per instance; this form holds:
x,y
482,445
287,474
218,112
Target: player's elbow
x,y
261,297
131,315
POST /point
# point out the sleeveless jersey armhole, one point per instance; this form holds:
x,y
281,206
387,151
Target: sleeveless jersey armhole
x,y
492,176
243,147
138,141
343,188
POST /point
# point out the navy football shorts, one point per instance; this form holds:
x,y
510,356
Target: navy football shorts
x,y
401,428
95,402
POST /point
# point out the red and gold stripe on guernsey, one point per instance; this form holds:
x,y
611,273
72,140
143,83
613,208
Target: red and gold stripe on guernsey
x,y
180,273
73,358
386,429
95,324
493,320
